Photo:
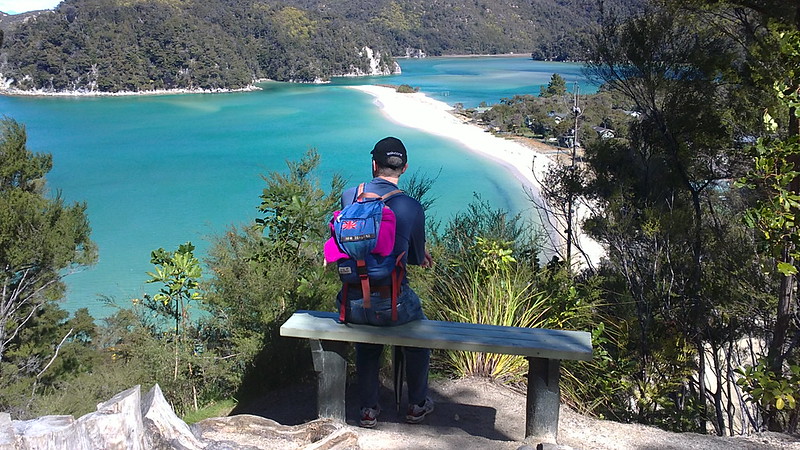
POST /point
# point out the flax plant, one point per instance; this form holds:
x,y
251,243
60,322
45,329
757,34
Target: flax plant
x,y
489,290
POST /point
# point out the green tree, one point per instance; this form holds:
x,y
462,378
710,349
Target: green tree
x,y
164,338
49,353
768,34
776,175
295,208
179,272
42,239
665,212
556,87
264,272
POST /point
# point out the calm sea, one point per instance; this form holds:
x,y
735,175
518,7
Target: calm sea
x,y
157,171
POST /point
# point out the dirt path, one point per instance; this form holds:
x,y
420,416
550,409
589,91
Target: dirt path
x,y
477,413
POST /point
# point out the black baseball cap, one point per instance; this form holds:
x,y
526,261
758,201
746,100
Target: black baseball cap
x,y
388,147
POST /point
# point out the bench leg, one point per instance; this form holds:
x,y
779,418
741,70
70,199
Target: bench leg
x,y
399,370
330,363
544,398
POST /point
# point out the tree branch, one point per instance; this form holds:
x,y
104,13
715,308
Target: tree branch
x,y
55,355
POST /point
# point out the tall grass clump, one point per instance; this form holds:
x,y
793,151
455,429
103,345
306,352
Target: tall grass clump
x,y
487,271
484,261
492,292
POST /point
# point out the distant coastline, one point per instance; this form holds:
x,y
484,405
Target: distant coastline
x,y
177,91
13,92
499,55
83,93
459,55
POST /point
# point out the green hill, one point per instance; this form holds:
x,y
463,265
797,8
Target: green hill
x,y
141,45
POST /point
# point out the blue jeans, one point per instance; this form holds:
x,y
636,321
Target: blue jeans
x,y
368,356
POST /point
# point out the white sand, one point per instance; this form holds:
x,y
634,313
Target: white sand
x,y
432,116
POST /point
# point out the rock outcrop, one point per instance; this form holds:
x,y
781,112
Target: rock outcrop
x,y
128,421
376,66
254,432
415,53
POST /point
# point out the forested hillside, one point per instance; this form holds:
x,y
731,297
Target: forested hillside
x,y
549,30
133,45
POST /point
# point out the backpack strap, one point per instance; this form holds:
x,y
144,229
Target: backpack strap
x,y
358,194
389,194
361,270
343,304
361,194
397,278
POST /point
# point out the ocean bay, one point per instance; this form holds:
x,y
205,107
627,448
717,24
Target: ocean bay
x,y
157,171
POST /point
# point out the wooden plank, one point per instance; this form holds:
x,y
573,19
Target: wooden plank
x,y
531,342
436,330
468,333
523,335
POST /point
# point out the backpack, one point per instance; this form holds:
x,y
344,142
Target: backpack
x,y
361,243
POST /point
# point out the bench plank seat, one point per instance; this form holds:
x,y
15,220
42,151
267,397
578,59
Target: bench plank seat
x,y
543,348
532,342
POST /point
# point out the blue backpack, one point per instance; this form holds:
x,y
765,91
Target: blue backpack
x,y
361,243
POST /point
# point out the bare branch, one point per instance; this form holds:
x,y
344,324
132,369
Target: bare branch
x,y
55,355
14,303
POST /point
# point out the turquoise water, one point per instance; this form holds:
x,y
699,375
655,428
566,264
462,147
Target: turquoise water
x,y
157,171
472,80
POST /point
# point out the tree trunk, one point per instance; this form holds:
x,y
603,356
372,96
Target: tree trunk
x,y
782,318
701,390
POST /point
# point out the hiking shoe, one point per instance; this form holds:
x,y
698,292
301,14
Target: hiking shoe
x,y
369,417
416,413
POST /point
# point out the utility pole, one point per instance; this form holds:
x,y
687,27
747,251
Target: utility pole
x,y
576,112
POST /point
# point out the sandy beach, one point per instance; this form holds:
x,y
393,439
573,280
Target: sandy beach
x,y
432,116
527,163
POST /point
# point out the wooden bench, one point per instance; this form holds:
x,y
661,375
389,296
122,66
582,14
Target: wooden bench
x,y
543,348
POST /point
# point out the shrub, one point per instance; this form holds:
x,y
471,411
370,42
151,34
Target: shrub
x,y
493,292
406,89
482,275
263,273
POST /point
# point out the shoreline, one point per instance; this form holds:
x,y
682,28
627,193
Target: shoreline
x,y
417,110
459,55
528,163
80,93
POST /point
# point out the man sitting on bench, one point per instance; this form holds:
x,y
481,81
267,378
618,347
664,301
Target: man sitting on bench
x,y
389,161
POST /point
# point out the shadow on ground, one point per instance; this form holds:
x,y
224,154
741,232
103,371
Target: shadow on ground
x,y
458,411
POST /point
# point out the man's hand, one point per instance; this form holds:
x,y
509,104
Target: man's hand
x,y
427,262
